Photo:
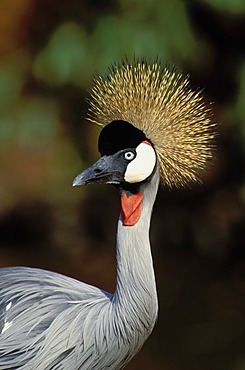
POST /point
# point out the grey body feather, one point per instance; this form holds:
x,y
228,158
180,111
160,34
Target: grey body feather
x,y
50,321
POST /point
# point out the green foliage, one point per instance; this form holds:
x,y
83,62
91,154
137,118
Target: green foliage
x,y
160,26
232,6
37,122
24,120
64,57
11,82
161,29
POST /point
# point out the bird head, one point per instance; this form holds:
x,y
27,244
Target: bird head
x,y
150,118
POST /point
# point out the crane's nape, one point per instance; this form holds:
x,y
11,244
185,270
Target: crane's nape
x,y
153,126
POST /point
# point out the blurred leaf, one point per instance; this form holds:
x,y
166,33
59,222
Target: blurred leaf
x,y
157,29
127,39
233,6
11,82
7,126
37,122
65,57
13,68
63,166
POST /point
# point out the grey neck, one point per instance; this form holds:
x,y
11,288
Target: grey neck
x,y
135,294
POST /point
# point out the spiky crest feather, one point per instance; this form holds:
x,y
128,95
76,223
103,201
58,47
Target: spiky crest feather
x,y
160,102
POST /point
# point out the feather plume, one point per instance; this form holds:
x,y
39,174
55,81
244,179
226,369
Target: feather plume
x,y
160,102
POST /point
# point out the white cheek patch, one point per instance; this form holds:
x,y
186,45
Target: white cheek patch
x,y
142,166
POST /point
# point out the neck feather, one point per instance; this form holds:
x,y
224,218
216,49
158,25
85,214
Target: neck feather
x,y
135,296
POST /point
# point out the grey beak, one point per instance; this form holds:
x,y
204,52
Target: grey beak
x,y
106,170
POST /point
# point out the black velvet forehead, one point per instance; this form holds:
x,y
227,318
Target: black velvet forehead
x,y
119,135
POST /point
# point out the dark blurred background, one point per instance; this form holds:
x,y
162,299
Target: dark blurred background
x,y
50,51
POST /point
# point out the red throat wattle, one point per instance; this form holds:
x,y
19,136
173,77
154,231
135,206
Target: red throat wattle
x,y
131,208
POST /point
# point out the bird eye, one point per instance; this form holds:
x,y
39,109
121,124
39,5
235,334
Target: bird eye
x,y
129,156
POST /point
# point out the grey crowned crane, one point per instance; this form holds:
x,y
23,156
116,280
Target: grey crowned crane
x,y
154,127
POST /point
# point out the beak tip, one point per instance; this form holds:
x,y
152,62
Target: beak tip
x,y
77,181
